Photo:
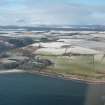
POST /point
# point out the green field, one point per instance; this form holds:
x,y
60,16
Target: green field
x,y
77,65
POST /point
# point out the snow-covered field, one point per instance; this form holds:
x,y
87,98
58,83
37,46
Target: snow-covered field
x,y
50,44
88,40
71,50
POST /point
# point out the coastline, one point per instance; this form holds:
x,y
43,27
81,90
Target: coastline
x,y
53,75
70,77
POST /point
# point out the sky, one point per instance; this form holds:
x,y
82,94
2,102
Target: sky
x,y
52,12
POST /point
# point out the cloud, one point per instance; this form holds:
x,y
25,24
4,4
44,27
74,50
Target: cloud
x,y
29,12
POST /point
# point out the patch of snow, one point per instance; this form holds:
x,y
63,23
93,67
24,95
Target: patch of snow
x,y
50,44
11,71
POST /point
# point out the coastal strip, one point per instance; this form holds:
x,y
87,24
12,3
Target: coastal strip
x,y
53,75
68,77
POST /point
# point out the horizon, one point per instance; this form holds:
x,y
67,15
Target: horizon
x,y
58,25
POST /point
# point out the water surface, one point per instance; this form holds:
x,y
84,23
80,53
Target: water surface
x,y
28,89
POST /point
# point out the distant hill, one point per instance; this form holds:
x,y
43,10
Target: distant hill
x,y
56,27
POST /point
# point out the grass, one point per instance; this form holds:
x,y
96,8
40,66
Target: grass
x,y
79,65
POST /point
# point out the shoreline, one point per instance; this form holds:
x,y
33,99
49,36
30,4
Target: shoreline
x,y
53,75
73,78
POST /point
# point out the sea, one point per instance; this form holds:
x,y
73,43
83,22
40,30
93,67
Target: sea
x,y
32,89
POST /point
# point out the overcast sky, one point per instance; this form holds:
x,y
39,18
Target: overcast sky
x,y
31,12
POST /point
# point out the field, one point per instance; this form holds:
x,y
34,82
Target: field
x,y
82,66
